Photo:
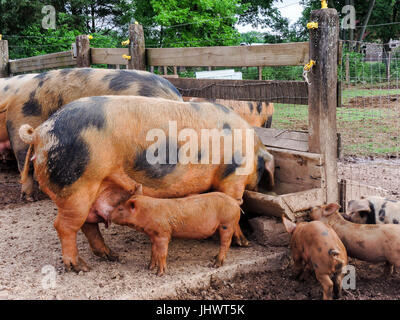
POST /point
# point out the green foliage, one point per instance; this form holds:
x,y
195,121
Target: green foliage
x,y
252,37
188,23
34,40
384,11
283,73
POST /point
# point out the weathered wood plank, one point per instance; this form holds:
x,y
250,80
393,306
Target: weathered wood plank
x,y
284,54
297,171
47,61
137,47
109,55
304,200
83,59
285,139
290,92
4,72
264,204
323,94
292,205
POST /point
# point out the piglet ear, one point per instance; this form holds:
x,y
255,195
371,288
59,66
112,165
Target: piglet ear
x,y
331,208
130,204
358,205
139,189
289,225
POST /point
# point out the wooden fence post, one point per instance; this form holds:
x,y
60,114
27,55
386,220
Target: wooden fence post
x,y
347,68
4,67
137,48
83,58
322,99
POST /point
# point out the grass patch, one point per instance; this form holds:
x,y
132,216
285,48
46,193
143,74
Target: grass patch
x,y
364,132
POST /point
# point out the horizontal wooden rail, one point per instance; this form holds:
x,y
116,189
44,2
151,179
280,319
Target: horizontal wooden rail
x,y
290,92
284,139
47,61
284,54
109,55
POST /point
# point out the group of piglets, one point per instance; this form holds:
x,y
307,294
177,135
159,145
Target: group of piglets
x,y
368,232
82,134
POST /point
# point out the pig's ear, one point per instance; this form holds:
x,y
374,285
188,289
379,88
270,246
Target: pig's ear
x,y
139,189
270,168
289,225
131,204
358,205
331,208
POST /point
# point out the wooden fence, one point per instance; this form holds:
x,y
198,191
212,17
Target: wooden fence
x,y
295,54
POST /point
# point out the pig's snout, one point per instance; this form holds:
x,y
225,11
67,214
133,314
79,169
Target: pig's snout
x,y
119,215
346,216
4,146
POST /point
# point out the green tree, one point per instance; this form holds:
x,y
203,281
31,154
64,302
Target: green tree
x,y
184,23
379,12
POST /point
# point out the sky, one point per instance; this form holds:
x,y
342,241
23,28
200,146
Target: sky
x,y
290,9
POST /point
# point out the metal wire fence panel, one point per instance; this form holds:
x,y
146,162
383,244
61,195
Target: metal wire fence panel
x,y
368,120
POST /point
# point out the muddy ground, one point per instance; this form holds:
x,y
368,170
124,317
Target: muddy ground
x,y
31,266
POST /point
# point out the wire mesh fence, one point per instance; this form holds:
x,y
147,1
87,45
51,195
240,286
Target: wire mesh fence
x,y
368,119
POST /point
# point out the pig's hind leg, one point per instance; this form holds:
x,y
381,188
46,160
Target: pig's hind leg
x,y
327,285
96,242
226,232
239,237
298,268
124,181
72,214
389,269
337,284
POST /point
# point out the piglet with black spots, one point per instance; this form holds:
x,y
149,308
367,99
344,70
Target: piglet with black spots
x,y
369,242
373,210
192,217
316,246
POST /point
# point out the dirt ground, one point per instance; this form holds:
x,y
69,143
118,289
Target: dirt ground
x,y
379,173
370,283
31,266
374,102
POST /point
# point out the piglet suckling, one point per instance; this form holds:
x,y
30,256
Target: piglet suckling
x,y
316,246
368,242
192,217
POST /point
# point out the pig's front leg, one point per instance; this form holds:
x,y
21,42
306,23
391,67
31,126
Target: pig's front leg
x,y
159,252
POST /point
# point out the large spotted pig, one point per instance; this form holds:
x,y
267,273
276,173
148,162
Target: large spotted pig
x,y
373,210
9,87
99,144
373,243
257,114
43,94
